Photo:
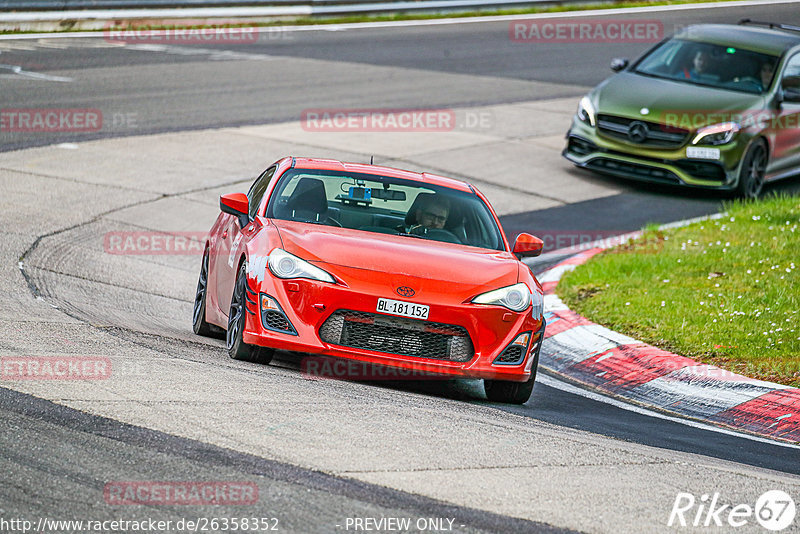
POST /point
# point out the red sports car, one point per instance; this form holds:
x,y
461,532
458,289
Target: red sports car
x,y
378,265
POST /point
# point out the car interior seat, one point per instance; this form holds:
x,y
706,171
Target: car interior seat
x,y
308,201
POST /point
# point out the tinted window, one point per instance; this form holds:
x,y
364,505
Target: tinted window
x,y
792,66
712,65
257,190
384,205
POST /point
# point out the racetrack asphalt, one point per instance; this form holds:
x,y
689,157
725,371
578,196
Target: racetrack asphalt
x,y
572,462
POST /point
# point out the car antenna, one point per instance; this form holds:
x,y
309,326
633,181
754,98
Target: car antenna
x,y
371,158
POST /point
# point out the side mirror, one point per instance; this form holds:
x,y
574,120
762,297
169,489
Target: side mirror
x,y
235,204
527,245
791,88
619,63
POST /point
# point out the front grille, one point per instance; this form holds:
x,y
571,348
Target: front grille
x,y
633,170
702,170
275,321
396,335
654,134
512,354
580,147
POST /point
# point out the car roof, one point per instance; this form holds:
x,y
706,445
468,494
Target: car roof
x,y
365,168
755,38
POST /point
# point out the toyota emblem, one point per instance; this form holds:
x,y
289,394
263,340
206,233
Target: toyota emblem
x,y
405,291
637,132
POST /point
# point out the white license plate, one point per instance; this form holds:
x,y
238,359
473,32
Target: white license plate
x,y
702,152
403,309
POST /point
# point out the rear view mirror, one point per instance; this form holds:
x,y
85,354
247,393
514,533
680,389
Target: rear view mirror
x,y
389,194
528,245
791,88
236,205
619,63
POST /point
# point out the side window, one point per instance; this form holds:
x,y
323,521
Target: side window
x,y
792,66
256,192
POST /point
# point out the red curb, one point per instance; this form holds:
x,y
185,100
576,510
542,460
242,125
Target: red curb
x,y
759,415
620,370
626,367
563,320
549,287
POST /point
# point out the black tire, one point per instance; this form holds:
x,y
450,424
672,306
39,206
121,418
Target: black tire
x,y
237,348
754,165
199,324
512,392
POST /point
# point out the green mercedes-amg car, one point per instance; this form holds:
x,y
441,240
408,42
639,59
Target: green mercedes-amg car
x,y
713,106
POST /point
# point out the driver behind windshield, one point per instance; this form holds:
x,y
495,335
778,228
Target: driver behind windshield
x,y
699,67
432,212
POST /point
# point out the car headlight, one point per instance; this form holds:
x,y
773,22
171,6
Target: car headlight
x,y
716,134
515,298
285,265
586,112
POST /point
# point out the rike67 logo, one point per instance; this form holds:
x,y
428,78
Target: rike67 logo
x,y
774,510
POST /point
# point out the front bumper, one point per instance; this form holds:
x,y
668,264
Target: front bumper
x,y
588,149
309,307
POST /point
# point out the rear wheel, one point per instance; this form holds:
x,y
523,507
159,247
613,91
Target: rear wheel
x,y
512,392
237,348
751,177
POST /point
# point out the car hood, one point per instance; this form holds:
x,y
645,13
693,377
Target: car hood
x,y
670,102
352,253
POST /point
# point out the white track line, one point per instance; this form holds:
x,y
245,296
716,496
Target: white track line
x,y
553,382
445,21
19,71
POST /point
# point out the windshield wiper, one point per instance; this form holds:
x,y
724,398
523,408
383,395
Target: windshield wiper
x,y
411,235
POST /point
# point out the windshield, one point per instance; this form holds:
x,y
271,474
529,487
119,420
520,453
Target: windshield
x,y
711,65
384,205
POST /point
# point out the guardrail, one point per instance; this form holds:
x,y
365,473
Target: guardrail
x,y
48,15
70,5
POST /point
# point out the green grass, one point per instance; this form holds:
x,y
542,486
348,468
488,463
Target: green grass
x,y
725,292
72,26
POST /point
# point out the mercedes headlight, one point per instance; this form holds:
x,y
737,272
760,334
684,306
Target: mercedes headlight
x,y
716,134
586,111
285,265
515,298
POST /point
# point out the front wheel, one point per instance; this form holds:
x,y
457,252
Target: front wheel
x,y
751,177
237,348
511,392
199,324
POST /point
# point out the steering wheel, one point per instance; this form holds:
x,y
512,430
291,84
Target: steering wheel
x,y
750,80
437,234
